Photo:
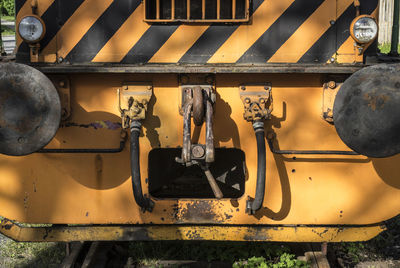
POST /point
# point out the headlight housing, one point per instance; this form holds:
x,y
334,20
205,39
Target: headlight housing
x,y
31,29
364,29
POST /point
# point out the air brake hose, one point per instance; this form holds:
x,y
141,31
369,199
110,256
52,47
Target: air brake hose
x,y
144,202
253,205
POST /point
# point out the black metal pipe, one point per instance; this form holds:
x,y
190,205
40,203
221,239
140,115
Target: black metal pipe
x,y
253,205
309,152
144,202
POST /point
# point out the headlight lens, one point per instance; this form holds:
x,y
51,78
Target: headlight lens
x,y
31,29
364,29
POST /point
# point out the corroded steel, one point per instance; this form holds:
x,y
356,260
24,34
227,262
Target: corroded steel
x,y
367,111
355,189
181,232
30,109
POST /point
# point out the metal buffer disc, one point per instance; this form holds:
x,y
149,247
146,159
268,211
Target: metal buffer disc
x,y
30,109
366,111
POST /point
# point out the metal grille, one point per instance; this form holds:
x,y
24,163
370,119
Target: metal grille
x,y
196,10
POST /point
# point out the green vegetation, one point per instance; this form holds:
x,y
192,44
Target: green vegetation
x,y
385,48
7,7
239,254
6,32
7,18
284,261
14,254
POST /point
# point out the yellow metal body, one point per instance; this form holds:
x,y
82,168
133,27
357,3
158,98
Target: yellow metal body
x,y
96,189
307,198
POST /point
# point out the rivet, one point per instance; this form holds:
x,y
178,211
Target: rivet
x,y
332,84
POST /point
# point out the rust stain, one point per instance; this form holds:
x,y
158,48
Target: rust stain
x,y
200,211
376,101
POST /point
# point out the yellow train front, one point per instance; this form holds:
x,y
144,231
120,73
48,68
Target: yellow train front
x,y
198,120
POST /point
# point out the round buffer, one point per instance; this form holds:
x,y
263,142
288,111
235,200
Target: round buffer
x,y
30,109
366,111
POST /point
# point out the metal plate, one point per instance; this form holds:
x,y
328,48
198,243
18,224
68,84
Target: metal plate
x,y
30,109
366,112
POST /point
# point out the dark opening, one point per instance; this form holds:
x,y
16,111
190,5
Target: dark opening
x,y
180,9
226,9
165,9
195,10
151,9
211,9
168,179
240,9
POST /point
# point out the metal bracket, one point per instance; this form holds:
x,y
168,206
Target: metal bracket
x,y
257,100
330,90
133,101
63,86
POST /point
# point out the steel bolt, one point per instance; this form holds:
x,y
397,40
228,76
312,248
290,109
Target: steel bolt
x,y
198,151
262,100
247,100
332,60
332,84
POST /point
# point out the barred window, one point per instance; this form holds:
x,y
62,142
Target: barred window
x,y
196,10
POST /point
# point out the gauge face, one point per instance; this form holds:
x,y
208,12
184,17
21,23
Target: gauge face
x,y
30,110
31,29
364,29
366,111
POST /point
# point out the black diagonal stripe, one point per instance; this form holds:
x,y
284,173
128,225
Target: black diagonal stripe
x,y
150,42
280,31
211,40
337,34
102,30
55,17
18,5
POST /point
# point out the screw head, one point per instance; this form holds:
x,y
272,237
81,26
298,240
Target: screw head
x,y
243,88
332,84
247,100
198,151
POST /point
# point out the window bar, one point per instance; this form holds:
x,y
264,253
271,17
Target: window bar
x,y
172,9
188,9
218,9
246,14
203,9
158,9
233,9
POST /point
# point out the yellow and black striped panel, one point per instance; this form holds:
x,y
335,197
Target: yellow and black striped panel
x,y
113,31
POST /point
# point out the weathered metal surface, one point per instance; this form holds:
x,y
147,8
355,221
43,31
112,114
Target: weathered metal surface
x,y
329,92
133,101
30,109
190,232
326,190
367,111
257,101
198,105
193,69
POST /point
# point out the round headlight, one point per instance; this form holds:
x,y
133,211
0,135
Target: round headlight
x,y
31,29
364,29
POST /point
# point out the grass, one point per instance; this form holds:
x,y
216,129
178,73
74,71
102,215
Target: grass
x,y
7,18
238,254
7,32
17,254
385,48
